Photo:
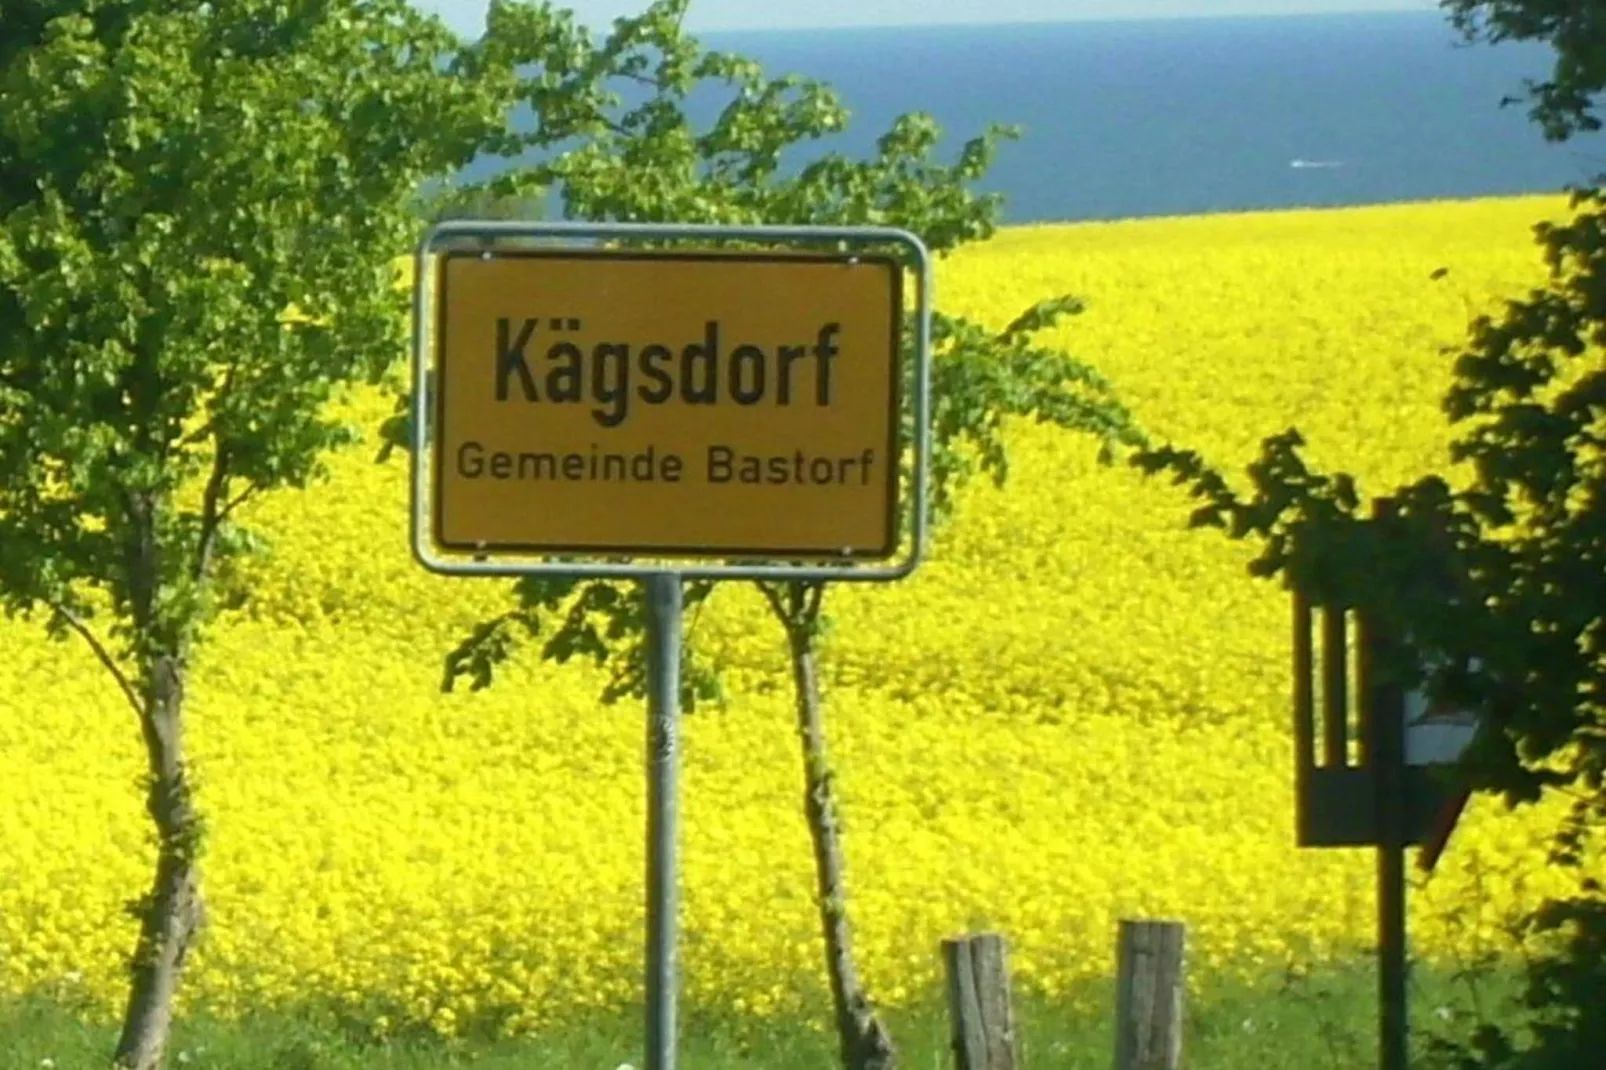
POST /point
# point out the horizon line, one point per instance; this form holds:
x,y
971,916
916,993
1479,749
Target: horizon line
x,y
1069,20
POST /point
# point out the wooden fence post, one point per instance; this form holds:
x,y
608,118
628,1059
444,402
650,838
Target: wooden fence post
x,y
1148,996
982,1021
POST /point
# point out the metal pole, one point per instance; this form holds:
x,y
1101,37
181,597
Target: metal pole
x,y
1387,754
1393,1036
1394,1047
663,712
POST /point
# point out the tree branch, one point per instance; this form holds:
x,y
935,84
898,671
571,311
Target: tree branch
x,y
76,623
209,428
773,596
614,126
238,500
212,504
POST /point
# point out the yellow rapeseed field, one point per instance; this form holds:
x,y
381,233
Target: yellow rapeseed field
x,y
1077,712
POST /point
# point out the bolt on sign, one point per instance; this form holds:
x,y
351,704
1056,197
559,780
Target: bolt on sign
x,y
683,403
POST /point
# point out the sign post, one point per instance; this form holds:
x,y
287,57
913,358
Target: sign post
x,y
645,402
663,785
1383,740
1388,795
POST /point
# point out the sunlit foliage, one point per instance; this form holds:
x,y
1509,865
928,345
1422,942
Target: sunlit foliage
x,y
1076,712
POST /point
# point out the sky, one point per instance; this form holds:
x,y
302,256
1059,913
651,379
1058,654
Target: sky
x,y
467,16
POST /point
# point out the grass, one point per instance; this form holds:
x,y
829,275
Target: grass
x,y
1324,1021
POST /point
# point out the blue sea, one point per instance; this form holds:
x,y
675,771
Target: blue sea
x,y
1186,116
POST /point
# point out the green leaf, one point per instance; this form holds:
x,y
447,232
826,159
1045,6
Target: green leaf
x,y
648,162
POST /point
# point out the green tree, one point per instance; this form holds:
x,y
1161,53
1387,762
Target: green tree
x,y
1565,103
1496,571
479,203
200,207
647,162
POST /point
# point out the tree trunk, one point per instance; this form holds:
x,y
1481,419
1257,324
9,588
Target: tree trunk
x,y
865,1042
172,913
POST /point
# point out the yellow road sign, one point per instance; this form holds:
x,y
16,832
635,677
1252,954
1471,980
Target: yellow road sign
x,y
673,403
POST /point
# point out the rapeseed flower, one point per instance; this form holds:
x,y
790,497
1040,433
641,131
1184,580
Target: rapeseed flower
x,y
1077,712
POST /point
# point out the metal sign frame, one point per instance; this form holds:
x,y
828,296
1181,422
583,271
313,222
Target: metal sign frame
x,y
916,509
